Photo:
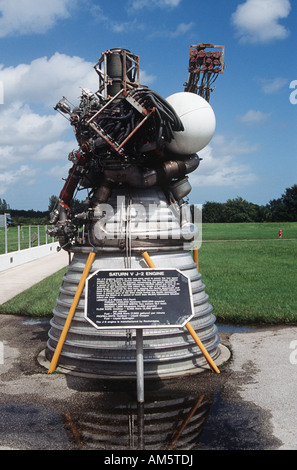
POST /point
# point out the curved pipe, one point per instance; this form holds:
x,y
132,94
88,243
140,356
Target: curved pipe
x,y
72,180
180,168
141,177
135,176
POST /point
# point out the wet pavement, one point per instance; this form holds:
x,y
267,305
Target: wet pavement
x,y
249,405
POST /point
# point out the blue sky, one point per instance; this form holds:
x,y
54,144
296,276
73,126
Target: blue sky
x,y
48,50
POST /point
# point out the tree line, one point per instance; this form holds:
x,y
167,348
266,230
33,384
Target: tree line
x,y
24,217
283,209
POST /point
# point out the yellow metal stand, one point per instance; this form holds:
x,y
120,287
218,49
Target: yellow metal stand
x,y
186,422
79,290
195,257
190,329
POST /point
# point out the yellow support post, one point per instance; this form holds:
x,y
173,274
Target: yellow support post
x,y
195,257
75,301
202,348
189,327
186,422
148,260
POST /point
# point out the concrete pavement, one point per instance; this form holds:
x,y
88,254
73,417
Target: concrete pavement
x,y
266,361
15,280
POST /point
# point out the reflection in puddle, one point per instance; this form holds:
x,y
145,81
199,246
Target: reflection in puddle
x,y
166,424
213,422
111,423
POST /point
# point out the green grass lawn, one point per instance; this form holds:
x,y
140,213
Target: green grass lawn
x,y
249,231
25,235
251,282
39,300
248,282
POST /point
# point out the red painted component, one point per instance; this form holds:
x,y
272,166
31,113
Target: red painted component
x,y
72,180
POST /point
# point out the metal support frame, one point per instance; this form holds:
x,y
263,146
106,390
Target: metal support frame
x,y
105,80
118,147
206,62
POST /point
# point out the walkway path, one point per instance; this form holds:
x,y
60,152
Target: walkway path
x,y
15,280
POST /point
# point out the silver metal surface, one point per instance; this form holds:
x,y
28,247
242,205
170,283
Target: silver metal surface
x,y
112,353
160,423
167,352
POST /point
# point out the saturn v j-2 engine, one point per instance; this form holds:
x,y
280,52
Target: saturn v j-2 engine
x,y
135,152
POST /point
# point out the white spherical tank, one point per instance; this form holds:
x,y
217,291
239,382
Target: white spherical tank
x,y
198,120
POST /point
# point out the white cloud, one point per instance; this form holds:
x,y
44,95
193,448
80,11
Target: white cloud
x,y
253,116
273,85
31,141
59,171
180,29
8,158
124,26
29,135
257,21
221,166
21,127
45,80
31,16
27,141
138,4
233,147
55,150
24,175
145,78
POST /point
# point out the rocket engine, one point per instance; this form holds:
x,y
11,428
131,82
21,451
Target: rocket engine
x,y
135,152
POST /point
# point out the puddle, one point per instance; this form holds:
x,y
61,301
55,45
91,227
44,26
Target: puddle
x,y
114,422
188,423
237,425
173,423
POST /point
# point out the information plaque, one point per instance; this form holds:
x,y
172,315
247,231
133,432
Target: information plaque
x,y
145,298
